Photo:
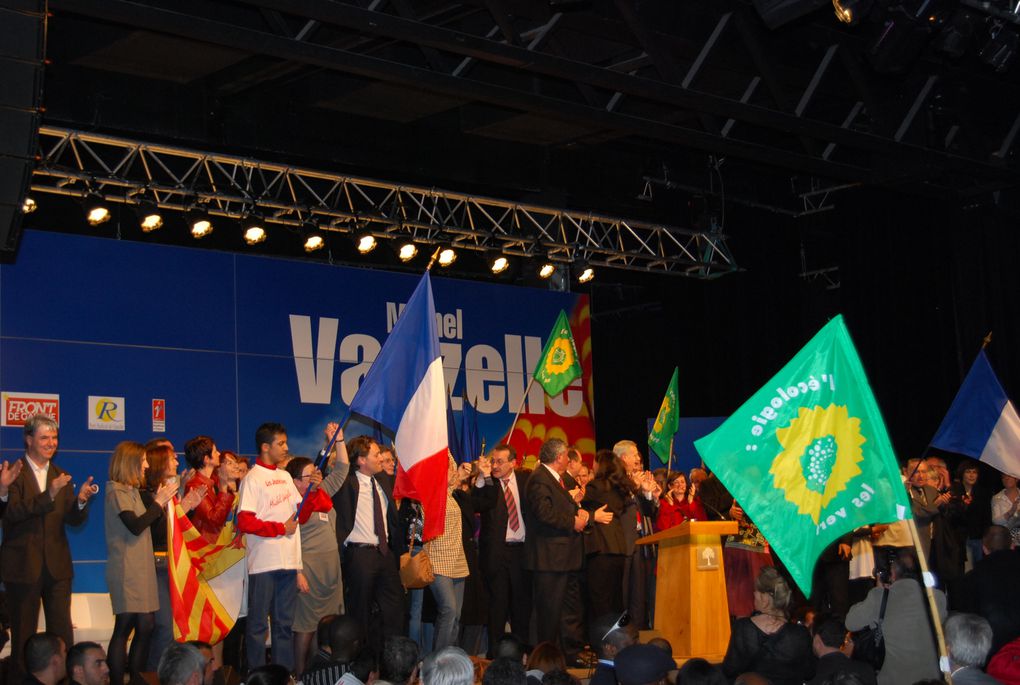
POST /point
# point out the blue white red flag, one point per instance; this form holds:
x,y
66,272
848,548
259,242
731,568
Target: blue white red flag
x,y
982,422
470,442
404,390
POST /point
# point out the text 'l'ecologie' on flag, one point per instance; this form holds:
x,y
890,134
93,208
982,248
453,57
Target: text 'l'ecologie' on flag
x,y
808,456
559,364
666,421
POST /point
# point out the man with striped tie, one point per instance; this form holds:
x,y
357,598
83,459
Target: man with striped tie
x,y
501,546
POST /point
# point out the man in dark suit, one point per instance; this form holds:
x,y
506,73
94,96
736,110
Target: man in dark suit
x,y
35,559
829,642
554,551
991,589
501,545
370,548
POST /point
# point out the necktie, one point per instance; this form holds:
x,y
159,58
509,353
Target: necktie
x,y
512,517
377,519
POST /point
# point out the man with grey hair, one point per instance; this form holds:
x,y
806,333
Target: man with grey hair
x,y
448,666
35,559
554,552
968,639
181,664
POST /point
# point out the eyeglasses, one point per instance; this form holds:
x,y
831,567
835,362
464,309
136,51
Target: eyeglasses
x,y
621,622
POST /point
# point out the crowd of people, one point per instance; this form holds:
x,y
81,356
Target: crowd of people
x,y
547,556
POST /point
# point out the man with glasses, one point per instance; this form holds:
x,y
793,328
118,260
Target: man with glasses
x,y
501,546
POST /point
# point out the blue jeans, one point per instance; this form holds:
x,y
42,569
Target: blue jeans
x,y
273,594
449,594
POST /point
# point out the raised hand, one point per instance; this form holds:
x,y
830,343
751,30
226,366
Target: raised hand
x,y
166,492
484,466
87,490
8,472
315,479
193,498
58,483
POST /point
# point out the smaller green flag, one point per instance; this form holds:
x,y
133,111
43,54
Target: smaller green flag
x,y
559,365
666,421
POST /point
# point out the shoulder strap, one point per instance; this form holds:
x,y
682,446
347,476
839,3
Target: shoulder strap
x,y
885,600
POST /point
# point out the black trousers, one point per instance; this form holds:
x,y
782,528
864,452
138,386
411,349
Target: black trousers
x,y
23,601
509,587
372,581
605,574
558,610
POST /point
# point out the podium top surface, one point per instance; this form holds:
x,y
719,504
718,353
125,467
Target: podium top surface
x,y
690,527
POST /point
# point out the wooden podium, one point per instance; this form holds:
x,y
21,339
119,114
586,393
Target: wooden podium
x,y
691,610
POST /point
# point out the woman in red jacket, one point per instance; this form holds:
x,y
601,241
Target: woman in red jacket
x,y
679,503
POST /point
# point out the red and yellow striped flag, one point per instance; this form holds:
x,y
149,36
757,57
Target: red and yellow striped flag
x,y
207,580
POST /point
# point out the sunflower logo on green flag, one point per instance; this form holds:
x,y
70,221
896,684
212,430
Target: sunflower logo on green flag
x,y
808,457
559,365
666,421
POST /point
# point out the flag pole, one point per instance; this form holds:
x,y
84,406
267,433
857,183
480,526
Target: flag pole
x,y
323,455
520,407
928,581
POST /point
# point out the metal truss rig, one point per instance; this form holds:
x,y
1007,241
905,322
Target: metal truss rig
x,y
77,164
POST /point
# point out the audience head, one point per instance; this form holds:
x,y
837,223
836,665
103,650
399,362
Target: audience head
x,y
509,646
449,666
904,566
553,453
545,657
346,637
269,674
996,538
505,671
751,679
388,459
127,465
662,643
364,665
830,635
181,664
399,661
771,591
967,472
297,467
627,451
86,664
201,452
917,472
41,434
162,464
698,474
608,636
968,639
210,660
643,665
559,677
271,443
849,678
700,672
573,461
46,657
1009,481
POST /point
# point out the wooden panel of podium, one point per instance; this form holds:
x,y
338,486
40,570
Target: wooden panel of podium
x,y
691,610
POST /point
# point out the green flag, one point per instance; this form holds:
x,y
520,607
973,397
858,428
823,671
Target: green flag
x,y
559,365
808,456
666,421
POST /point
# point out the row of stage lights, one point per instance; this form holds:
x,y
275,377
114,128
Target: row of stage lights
x,y
199,223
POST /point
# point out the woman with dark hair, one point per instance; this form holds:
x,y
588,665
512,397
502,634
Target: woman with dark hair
x,y
977,507
767,642
544,658
607,546
678,503
320,588
130,574
162,470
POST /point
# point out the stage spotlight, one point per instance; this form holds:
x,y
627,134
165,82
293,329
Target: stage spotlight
x,y
253,231
546,270
447,256
314,240
851,11
96,211
407,252
365,243
149,217
585,274
199,224
28,205
498,263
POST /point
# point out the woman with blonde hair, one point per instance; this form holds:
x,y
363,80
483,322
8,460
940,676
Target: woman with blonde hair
x,y
767,643
130,573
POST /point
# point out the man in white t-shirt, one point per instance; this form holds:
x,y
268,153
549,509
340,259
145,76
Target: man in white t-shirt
x,y
265,514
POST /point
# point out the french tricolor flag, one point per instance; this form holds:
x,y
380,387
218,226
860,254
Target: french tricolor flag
x,y
405,391
982,422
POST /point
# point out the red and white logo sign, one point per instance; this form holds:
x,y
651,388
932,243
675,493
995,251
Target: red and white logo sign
x,y
159,416
19,406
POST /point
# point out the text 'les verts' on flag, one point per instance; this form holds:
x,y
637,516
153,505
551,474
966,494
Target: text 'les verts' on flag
x,y
559,364
808,456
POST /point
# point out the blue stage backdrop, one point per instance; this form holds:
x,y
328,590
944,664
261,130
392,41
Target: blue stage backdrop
x,y
130,341
685,457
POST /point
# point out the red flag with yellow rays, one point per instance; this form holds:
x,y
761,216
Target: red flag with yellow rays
x,y
207,580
